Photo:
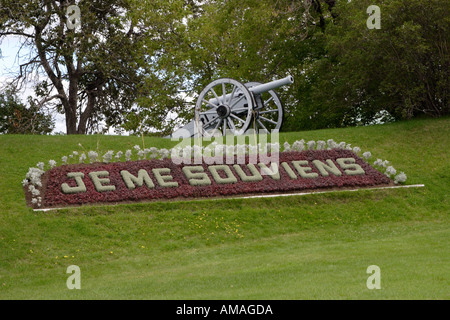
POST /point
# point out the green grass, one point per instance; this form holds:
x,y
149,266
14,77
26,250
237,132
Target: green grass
x,y
302,247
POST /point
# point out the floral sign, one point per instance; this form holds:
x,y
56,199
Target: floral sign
x,y
299,168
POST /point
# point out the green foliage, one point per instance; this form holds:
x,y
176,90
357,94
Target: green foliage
x,y
401,69
16,118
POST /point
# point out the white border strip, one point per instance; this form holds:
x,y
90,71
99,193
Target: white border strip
x,y
273,195
329,191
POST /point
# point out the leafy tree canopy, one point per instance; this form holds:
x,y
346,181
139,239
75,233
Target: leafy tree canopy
x,y
17,118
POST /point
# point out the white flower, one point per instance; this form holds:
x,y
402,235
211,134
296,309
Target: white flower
x,y
367,155
52,163
342,145
128,155
287,146
33,190
40,165
92,156
400,178
348,147
137,148
378,162
175,153
164,153
146,152
34,176
321,145
385,163
107,157
119,155
75,153
311,145
153,152
82,157
298,145
24,182
390,171
34,201
64,160
332,144
356,150
140,154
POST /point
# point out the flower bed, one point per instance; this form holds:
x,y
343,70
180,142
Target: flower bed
x,y
162,179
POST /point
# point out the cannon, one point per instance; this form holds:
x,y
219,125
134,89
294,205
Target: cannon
x,y
228,106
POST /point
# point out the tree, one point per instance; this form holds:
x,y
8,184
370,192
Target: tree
x,y
95,65
16,118
367,75
249,40
345,74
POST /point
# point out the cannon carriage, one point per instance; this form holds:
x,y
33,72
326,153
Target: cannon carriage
x,y
227,106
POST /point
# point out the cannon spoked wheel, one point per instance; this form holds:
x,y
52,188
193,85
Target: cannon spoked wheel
x,y
224,105
268,113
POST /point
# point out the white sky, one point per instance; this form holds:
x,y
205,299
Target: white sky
x,y
9,65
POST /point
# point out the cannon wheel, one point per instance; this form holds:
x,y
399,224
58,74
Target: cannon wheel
x,y
268,113
224,114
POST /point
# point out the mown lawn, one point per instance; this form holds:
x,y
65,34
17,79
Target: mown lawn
x,y
301,247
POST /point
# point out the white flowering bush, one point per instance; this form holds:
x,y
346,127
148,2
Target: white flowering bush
x,y
128,155
298,145
381,165
82,158
400,178
92,155
321,145
51,163
367,155
33,181
108,156
390,171
118,155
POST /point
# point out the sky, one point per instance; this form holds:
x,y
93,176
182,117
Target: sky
x,y
9,64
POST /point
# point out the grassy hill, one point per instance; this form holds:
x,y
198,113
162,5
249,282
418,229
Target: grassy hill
x,y
301,247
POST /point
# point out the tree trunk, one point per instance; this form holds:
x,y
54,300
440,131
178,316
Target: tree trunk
x,y
71,122
86,114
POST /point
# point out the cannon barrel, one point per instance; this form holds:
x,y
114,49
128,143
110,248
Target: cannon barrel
x,y
258,89
271,85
